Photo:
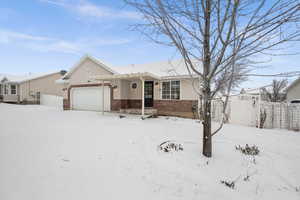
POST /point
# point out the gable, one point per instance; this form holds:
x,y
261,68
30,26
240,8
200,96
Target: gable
x,y
80,63
85,70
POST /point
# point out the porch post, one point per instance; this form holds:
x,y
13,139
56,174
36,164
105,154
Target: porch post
x,y
143,96
102,97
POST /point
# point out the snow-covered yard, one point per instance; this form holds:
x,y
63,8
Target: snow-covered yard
x,y
48,154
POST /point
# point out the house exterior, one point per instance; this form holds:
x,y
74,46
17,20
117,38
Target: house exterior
x,y
293,90
253,94
150,88
27,89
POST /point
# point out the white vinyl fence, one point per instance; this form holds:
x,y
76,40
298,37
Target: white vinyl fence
x,y
247,112
51,100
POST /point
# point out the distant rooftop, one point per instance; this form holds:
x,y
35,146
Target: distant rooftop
x,y
22,78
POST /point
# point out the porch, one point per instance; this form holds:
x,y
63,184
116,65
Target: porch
x,y
9,98
132,93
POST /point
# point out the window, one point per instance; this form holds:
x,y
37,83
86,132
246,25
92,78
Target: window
x,y
0,89
5,89
171,90
13,89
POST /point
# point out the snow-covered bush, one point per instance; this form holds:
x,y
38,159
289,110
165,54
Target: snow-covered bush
x,y
248,150
230,184
169,146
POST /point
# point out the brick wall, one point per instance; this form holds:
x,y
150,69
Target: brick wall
x,y
118,104
180,108
66,104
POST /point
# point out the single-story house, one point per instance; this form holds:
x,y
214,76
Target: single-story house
x,y
164,88
293,90
252,94
28,88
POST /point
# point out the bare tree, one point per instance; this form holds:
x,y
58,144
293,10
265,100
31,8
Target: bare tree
x,y
276,93
219,34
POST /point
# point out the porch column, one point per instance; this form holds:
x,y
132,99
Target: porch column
x,y
143,97
102,97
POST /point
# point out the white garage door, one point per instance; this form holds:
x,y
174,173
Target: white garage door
x,y
90,98
51,100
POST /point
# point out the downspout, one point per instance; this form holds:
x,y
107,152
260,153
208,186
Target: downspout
x,y
143,96
102,97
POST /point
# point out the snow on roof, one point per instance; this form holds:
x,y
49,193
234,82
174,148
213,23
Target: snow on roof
x,y
163,69
256,90
23,78
293,83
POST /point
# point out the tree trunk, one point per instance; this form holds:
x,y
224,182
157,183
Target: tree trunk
x,y
207,144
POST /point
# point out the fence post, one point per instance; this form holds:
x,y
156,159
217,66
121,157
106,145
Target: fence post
x,y
273,115
280,119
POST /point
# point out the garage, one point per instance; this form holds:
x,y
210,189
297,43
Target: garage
x,y
90,98
51,101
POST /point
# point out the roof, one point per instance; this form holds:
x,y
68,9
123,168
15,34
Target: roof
x,y
163,68
255,90
84,58
23,78
145,75
293,84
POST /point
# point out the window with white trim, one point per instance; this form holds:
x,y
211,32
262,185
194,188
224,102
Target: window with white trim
x,y
13,89
5,89
170,90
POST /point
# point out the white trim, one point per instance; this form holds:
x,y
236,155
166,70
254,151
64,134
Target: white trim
x,y
15,89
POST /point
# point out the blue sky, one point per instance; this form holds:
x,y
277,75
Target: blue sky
x,y
49,35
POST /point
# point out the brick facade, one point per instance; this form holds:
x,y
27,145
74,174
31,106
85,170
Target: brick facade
x,y
180,108
118,104
66,104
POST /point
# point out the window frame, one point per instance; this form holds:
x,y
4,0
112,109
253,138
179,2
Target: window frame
x,y
12,89
5,89
170,95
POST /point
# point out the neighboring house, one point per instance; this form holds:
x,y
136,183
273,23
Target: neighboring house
x,y
163,87
253,94
27,89
293,90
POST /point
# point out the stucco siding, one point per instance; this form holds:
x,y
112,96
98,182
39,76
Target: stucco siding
x,y
187,90
84,73
137,92
44,85
294,92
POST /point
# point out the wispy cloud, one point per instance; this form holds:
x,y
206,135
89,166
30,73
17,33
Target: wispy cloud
x,y
48,44
7,36
84,8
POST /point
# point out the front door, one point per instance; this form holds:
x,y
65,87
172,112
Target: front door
x,y
148,94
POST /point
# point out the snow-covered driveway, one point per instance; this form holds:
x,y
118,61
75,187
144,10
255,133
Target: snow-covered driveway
x,y
47,154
